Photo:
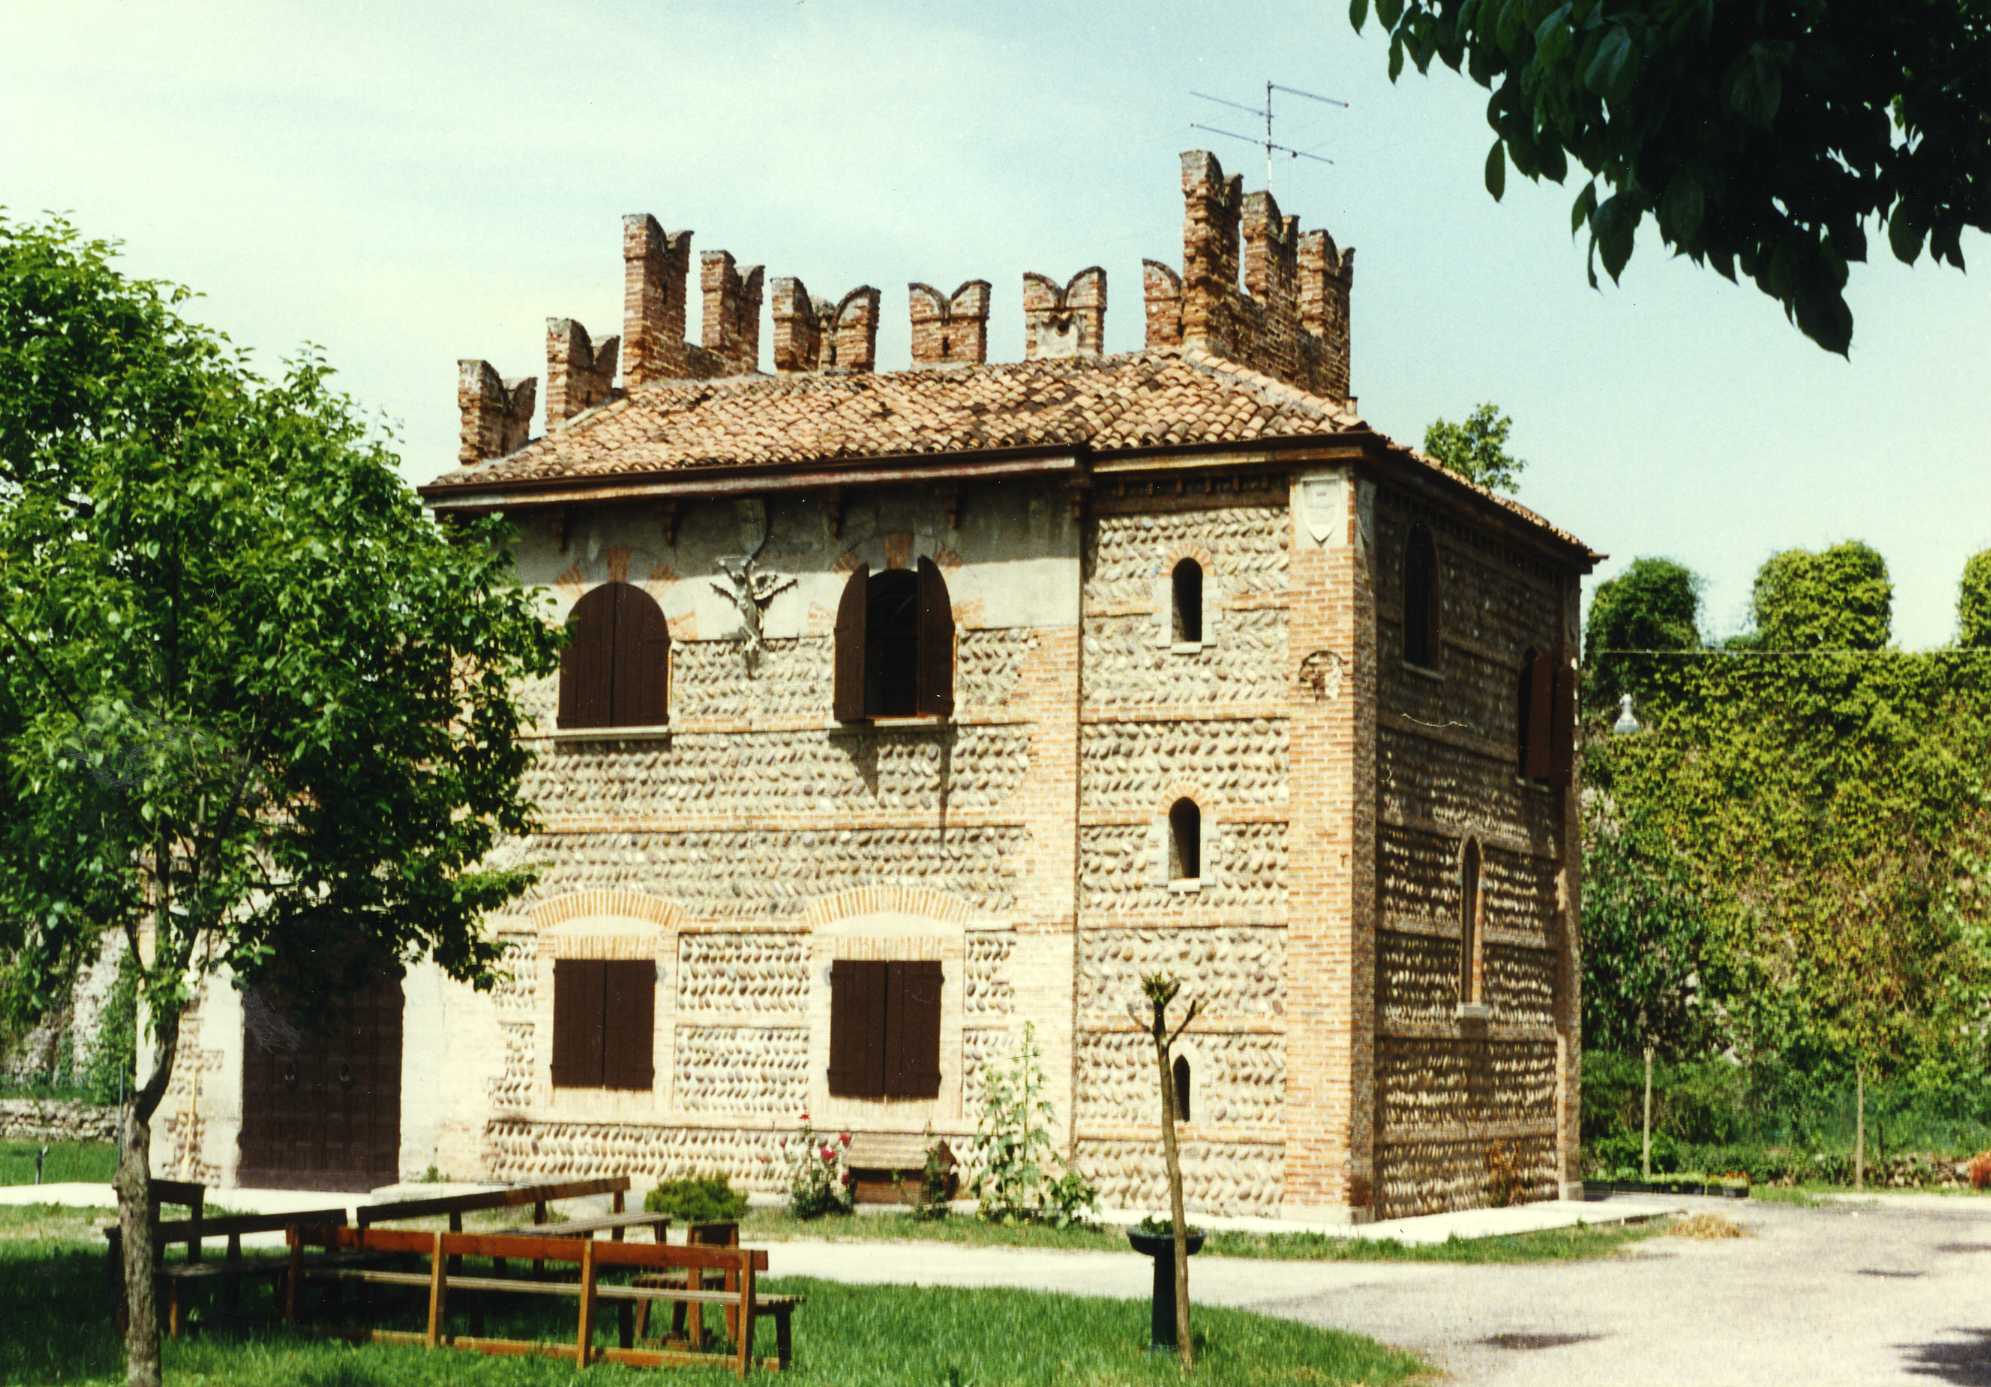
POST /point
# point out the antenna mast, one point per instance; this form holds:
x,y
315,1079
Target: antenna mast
x,y
1266,111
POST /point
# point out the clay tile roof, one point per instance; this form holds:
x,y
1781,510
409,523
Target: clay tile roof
x,y
1135,401
1107,404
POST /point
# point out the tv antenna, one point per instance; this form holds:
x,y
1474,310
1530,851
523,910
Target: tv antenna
x,y
1266,111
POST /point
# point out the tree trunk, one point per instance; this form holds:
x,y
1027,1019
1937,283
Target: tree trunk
x,y
1184,1347
1645,1142
134,1191
1859,1127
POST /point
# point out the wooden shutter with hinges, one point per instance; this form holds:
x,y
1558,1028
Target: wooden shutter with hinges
x,y
640,677
912,1030
936,643
857,1028
587,663
577,1022
1562,720
629,1005
848,698
1541,719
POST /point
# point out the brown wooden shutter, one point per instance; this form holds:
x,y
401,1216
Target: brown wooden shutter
x,y
587,664
1562,721
857,1029
1541,702
912,1030
849,696
641,660
936,643
577,1023
630,1006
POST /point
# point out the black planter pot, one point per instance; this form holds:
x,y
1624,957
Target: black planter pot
x,y
1159,1248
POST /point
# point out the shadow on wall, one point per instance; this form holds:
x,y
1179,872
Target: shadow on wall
x,y
1964,1361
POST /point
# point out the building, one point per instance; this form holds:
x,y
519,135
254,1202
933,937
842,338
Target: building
x,y
904,708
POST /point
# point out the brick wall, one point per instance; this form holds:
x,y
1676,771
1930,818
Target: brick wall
x,y
1450,1087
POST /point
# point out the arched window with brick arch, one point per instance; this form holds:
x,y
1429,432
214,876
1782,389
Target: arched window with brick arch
x,y
615,671
1185,841
1420,598
894,645
1472,924
1186,602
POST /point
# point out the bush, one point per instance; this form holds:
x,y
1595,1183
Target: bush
x,y
930,1200
1980,1171
697,1199
819,1182
1013,1181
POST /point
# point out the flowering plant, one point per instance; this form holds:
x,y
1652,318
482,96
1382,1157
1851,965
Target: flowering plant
x,y
819,1181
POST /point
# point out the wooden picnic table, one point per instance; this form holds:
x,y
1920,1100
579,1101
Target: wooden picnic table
x,y
616,1225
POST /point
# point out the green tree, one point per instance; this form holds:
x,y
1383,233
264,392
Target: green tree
x,y
1649,970
1838,598
1973,602
1762,139
1654,605
257,710
1476,448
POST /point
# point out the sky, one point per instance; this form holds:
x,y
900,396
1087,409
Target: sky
x,y
408,185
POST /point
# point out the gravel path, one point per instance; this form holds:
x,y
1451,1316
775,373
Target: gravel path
x,y
1855,1293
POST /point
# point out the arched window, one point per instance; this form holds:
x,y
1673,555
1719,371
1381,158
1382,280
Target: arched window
x,y
615,671
1472,919
1181,1075
1185,841
1524,713
1186,613
894,645
1420,599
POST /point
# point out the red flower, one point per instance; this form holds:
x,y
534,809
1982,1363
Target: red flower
x,y
829,1153
844,1138
846,1179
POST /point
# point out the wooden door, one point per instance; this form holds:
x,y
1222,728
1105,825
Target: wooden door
x,y
321,1095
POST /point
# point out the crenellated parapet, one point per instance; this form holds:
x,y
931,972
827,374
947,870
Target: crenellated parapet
x,y
579,374
1067,320
816,335
1252,288
950,329
1290,317
496,411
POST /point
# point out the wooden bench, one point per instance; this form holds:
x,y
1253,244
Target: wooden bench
x,y
886,1167
190,1195
455,1206
590,1256
615,1225
175,1279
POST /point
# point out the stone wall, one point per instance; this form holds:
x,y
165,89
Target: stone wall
x,y
1464,1099
34,1119
758,839
1162,721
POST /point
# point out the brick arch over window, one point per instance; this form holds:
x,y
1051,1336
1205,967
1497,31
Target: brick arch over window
x,y
894,645
615,671
1420,598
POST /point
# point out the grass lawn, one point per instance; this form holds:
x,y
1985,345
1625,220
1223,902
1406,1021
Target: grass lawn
x,y
92,1162
1557,1245
58,1331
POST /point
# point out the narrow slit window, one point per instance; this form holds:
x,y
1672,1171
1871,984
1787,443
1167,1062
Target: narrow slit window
x,y
1181,1075
1524,712
1185,841
1472,918
1186,617
1420,599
